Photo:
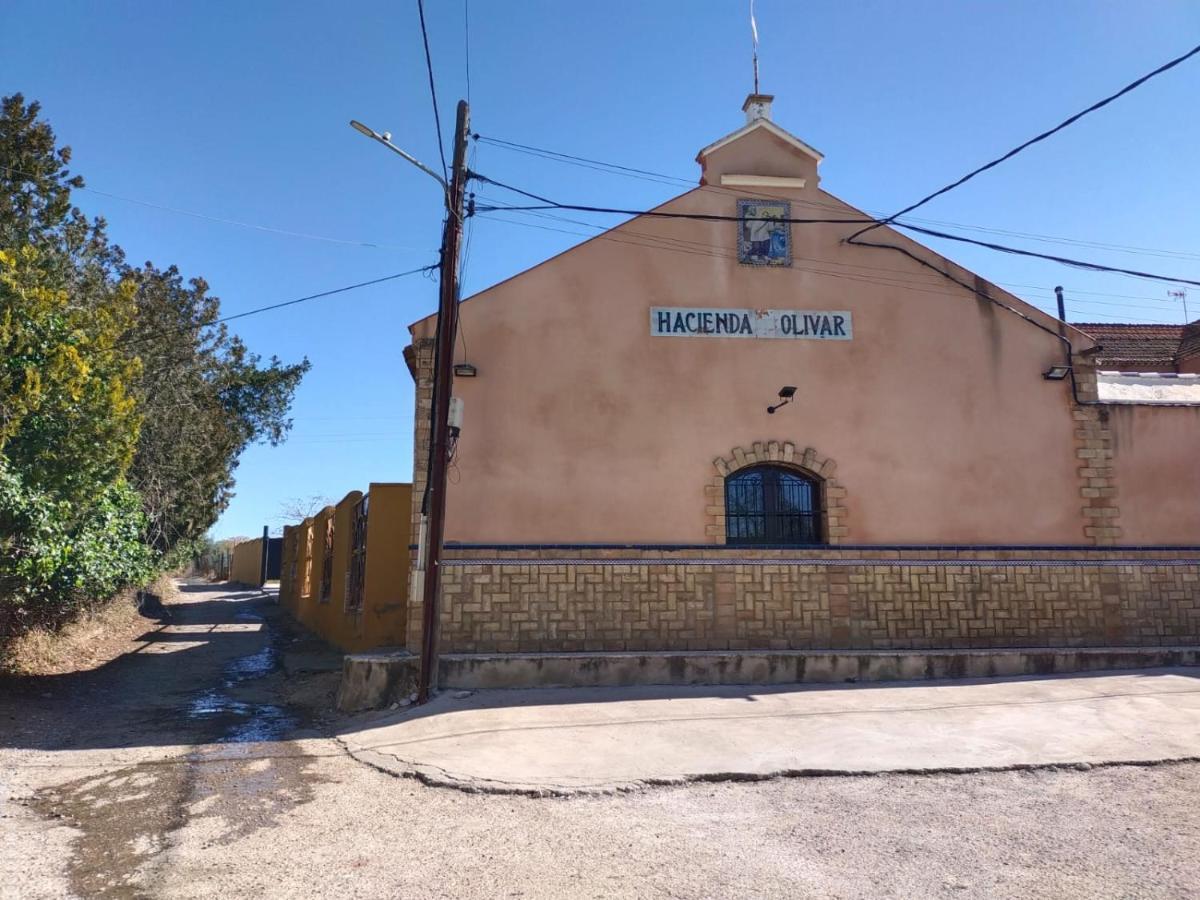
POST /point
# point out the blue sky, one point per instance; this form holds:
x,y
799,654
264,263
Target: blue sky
x,y
239,110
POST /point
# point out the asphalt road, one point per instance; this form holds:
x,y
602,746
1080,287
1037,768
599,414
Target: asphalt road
x,y
198,765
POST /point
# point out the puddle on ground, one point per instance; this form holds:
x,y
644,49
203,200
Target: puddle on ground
x,y
235,718
126,818
241,775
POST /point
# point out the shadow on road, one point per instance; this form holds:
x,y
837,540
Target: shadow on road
x,y
201,717
211,670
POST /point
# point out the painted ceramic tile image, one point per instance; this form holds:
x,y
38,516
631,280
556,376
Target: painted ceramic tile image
x,y
764,234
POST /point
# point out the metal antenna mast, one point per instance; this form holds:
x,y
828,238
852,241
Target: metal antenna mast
x,y
1181,296
754,34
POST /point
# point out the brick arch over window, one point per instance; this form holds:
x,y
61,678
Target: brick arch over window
x,y
834,524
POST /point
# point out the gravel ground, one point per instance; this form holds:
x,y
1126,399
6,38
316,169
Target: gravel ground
x,y
182,780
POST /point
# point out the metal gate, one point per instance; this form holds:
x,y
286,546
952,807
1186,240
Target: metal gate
x,y
274,558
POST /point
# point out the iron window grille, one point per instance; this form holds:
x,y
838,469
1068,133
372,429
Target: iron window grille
x,y
327,562
306,584
772,505
357,574
293,551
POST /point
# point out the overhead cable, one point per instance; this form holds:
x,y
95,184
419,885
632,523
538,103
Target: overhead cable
x,y
272,306
1003,248
713,217
437,116
659,177
1070,120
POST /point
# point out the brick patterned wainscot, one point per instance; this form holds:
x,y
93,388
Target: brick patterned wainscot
x,y
505,599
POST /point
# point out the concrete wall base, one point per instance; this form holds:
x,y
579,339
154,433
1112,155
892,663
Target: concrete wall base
x,y
470,671
378,679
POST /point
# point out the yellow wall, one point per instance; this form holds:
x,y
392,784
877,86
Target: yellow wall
x,y
389,532
246,565
287,583
382,619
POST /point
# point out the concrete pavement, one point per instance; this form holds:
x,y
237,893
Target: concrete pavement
x,y
598,740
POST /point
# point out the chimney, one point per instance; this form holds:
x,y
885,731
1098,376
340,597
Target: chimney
x,y
758,106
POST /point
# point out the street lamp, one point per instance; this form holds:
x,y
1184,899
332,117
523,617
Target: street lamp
x,y
386,140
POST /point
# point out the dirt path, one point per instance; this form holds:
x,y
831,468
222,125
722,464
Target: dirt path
x,y
193,721
194,767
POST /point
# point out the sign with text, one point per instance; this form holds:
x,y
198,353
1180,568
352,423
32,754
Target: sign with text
x,y
782,324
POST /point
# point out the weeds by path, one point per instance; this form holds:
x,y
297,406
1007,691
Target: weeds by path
x,y
98,635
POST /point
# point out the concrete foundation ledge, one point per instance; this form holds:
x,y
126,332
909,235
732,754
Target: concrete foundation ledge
x,y
379,678
471,671
376,679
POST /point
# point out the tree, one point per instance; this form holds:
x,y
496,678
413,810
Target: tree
x,y
206,397
297,509
202,396
124,403
36,210
68,423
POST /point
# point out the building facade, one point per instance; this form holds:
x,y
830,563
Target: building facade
x,y
622,485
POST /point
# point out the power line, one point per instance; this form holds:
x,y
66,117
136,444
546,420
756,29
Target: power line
x,y
268,308
684,243
437,117
1133,85
1092,293
893,274
1053,239
240,224
702,217
584,162
713,217
898,282
341,290
918,277
662,178
899,278
1003,248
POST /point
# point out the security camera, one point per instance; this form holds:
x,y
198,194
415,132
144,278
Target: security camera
x,y
387,135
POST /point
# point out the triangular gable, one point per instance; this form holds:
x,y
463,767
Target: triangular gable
x,y
771,128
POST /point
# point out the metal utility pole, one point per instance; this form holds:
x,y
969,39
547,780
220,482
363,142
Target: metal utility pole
x,y
443,382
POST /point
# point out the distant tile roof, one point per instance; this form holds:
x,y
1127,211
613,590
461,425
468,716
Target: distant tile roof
x,y
1189,347
1150,346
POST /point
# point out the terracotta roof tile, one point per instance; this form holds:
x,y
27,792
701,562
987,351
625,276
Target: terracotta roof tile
x,y
1131,344
1189,346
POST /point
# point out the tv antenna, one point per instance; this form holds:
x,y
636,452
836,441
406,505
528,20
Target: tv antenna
x,y
1181,296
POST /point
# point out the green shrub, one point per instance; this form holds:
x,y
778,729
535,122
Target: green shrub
x,y
55,559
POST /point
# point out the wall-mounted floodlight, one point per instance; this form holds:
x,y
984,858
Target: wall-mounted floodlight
x,y
1056,373
465,370
786,394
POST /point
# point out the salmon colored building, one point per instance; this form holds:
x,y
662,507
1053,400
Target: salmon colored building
x,y
946,467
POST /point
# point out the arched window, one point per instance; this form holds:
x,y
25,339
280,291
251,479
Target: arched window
x,y
772,505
